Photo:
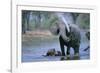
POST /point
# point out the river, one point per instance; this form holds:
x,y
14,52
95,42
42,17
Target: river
x,y
34,51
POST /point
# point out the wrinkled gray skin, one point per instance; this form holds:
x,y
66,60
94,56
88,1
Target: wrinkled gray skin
x,y
68,39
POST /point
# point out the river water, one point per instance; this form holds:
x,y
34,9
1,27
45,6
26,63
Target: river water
x,y
34,51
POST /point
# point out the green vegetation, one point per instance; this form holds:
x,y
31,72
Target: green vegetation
x,y
37,20
44,20
83,20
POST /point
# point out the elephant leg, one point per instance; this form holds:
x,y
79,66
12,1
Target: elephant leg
x,y
68,53
76,53
62,49
62,46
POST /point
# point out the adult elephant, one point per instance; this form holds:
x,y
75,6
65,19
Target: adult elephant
x,y
68,36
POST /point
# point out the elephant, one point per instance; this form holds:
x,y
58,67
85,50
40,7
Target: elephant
x,y
68,38
88,37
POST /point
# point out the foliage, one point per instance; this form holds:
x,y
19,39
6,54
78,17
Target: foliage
x,y
44,20
83,20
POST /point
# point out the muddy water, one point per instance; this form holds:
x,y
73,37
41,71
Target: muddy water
x,y
33,51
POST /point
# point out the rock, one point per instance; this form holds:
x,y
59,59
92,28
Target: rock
x,y
53,52
58,53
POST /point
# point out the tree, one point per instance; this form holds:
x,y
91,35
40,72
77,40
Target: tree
x,y
83,20
25,20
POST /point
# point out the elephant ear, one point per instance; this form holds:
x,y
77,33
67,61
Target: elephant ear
x,y
54,29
